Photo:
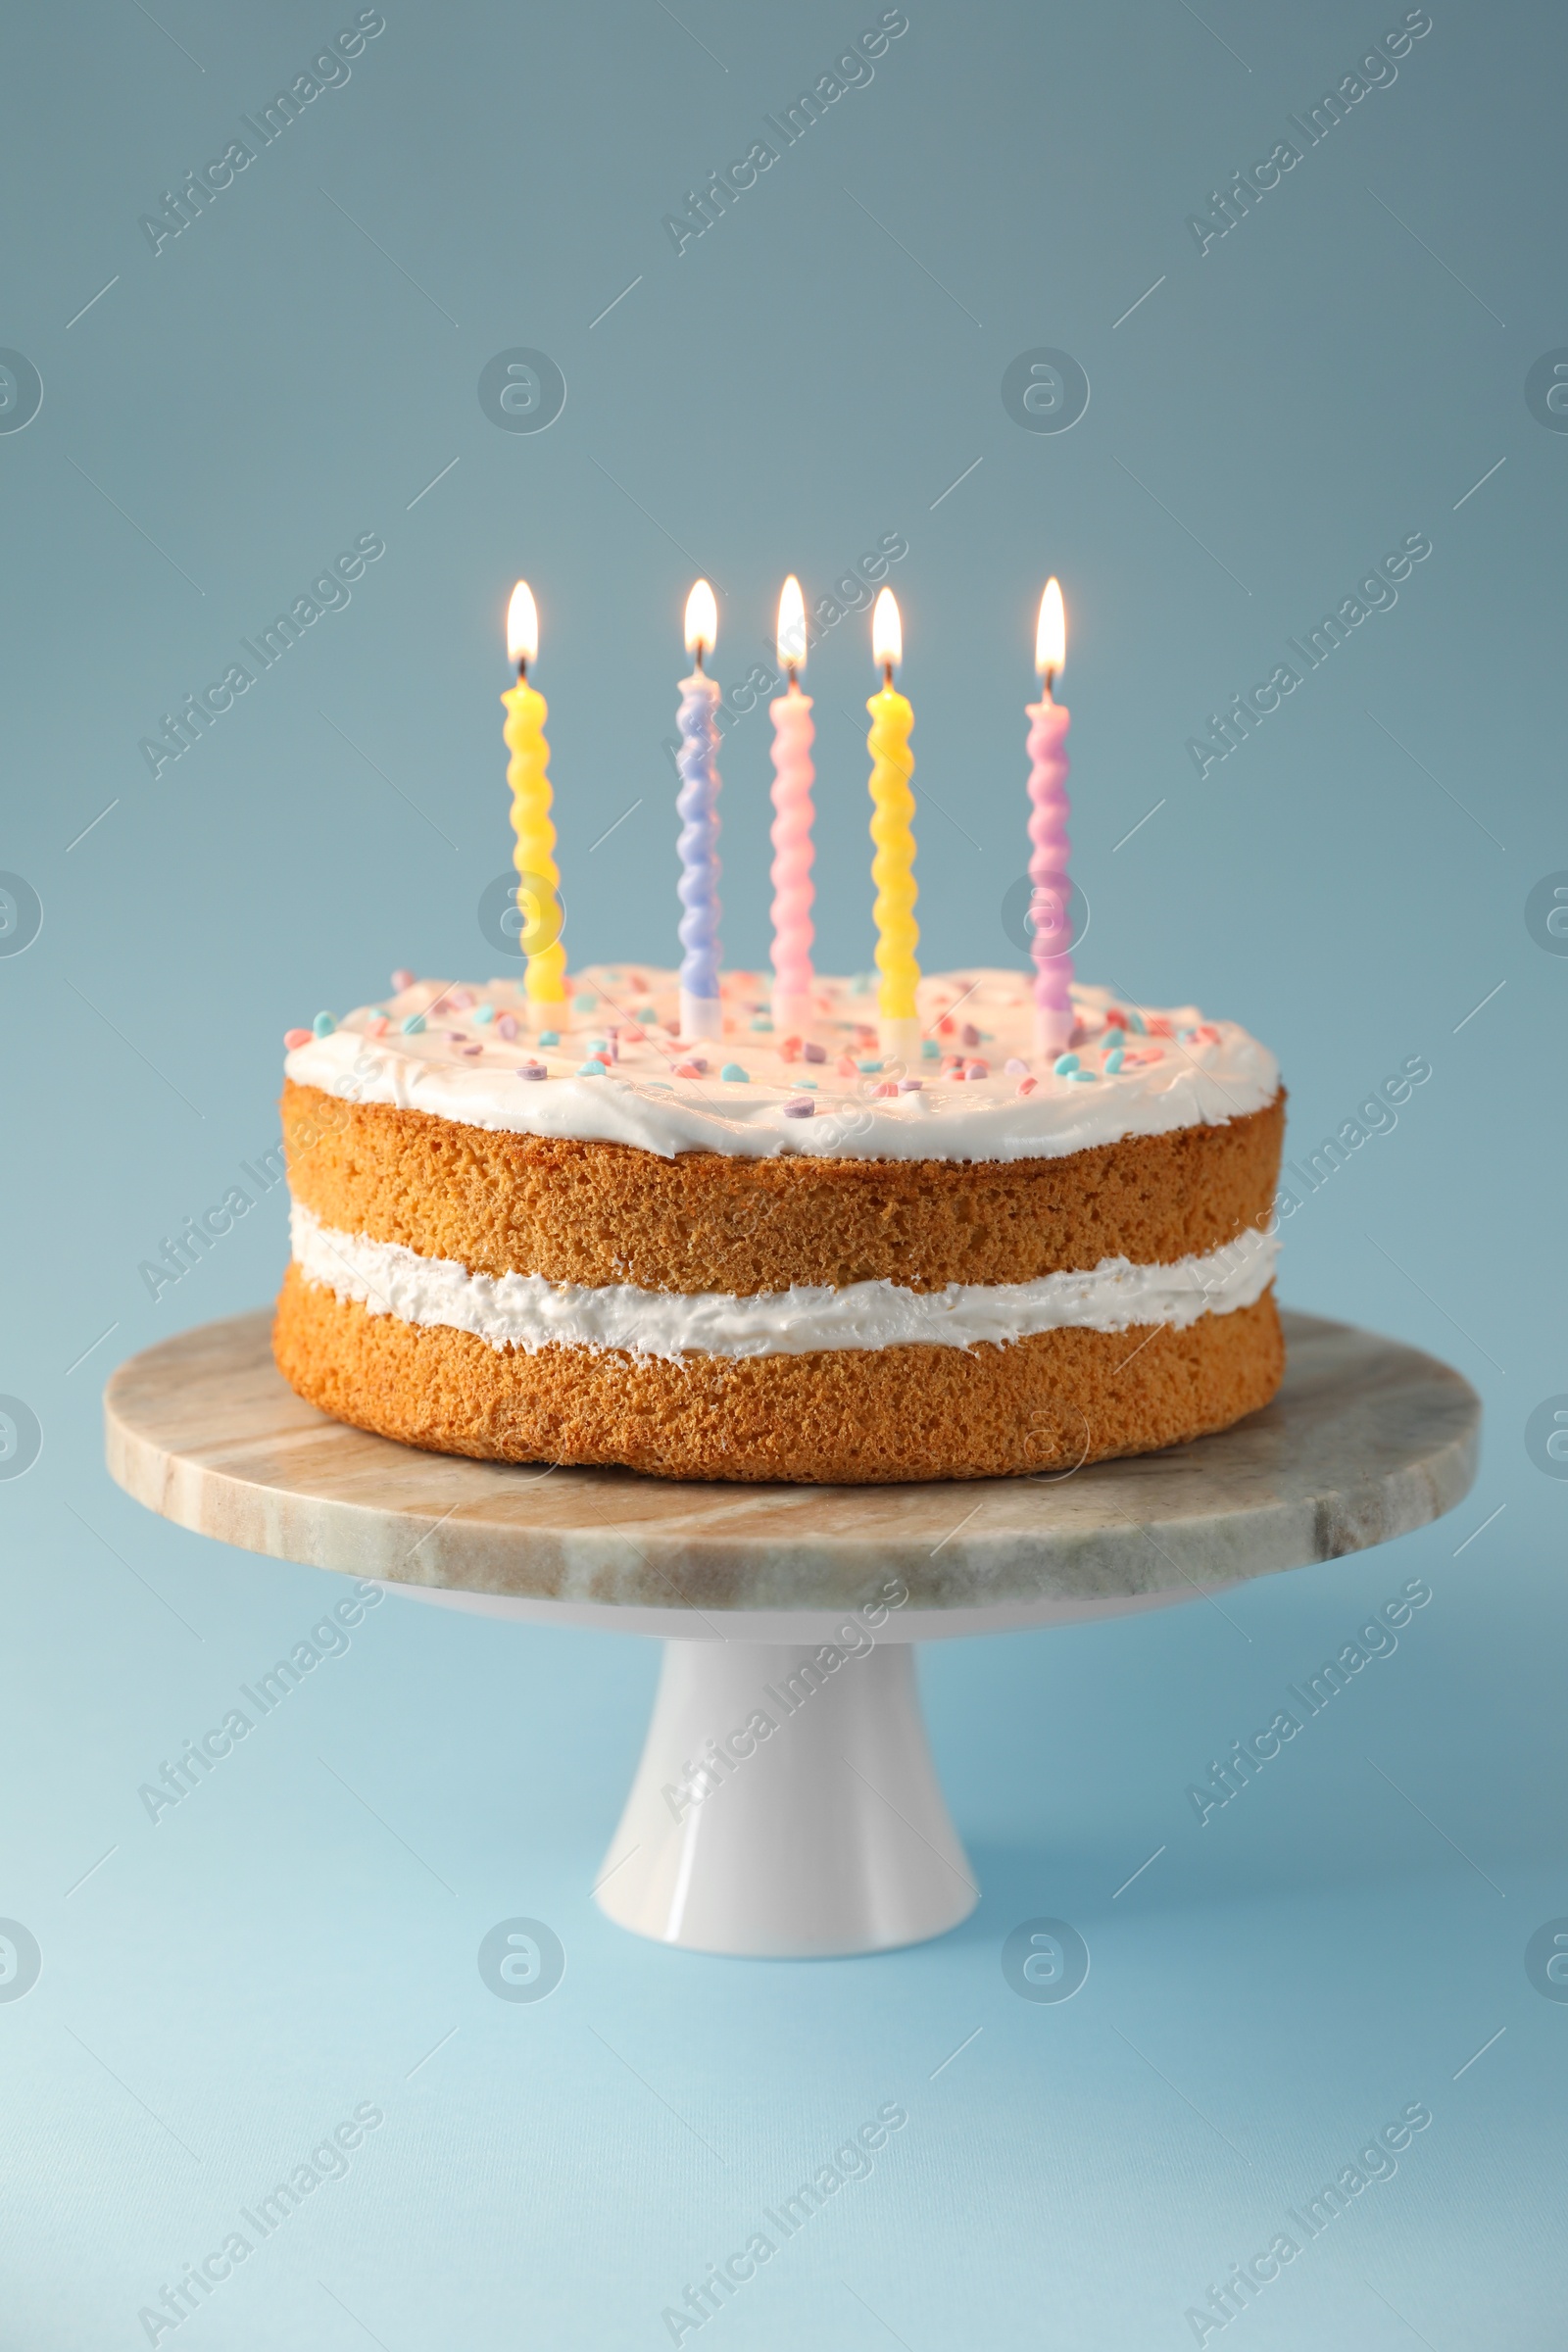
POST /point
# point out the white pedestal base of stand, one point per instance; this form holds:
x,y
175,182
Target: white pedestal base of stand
x,y
829,1838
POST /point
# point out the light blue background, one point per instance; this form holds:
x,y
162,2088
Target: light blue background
x,y
1272,419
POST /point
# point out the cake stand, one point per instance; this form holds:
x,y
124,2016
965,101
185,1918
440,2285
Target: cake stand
x,y
786,1805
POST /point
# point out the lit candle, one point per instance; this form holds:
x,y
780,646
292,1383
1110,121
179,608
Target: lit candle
x,y
1047,835
701,1013
538,878
793,778
891,829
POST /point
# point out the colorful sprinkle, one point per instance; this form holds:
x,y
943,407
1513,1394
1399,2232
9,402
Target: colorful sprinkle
x,y
590,1069
1136,1023
807,1084
1066,1065
813,1052
485,1014
414,1024
762,1025
549,1037
976,1069
401,980
930,1051
735,1075
1114,1060
1017,1068
323,1024
532,1069
472,1052
803,1109
968,1035
377,1027
294,1038
585,1003
506,1025
887,1086
1083,1077
911,1086
1026,1086
868,1069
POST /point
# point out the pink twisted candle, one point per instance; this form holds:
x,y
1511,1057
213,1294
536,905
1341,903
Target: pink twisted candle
x,y
790,836
1047,871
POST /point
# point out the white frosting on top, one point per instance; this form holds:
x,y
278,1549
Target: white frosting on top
x,y
529,1312
461,1063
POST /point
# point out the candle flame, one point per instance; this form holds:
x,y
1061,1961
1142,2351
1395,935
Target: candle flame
x,y
791,625
522,625
1051,640
702,620
887,630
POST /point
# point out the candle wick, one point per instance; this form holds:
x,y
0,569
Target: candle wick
x,y
1050,680
886,677
699,657
789,672
522,668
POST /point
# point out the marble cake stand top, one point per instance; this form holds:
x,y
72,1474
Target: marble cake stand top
x,y
1366,1440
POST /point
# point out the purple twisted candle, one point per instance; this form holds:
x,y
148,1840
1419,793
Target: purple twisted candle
x,y
1047,871
696,803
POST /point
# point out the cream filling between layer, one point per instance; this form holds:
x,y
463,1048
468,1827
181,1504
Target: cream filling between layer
x,y
530,1312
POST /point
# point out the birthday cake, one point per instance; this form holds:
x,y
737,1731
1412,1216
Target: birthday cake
x,y
780,1256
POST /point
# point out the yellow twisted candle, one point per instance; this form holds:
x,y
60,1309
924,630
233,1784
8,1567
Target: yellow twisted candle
x,y
538,876
891,830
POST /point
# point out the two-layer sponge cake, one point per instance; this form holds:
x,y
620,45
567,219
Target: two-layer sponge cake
x,y
780,1258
